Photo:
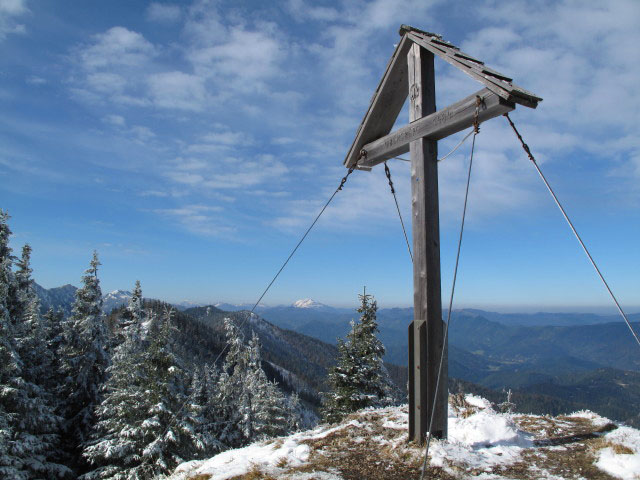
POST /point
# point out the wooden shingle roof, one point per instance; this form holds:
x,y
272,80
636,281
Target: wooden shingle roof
x,y
392,91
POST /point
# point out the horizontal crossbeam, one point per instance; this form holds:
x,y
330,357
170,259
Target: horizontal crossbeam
x,y
436,126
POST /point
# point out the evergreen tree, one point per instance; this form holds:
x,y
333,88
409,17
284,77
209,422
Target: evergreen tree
x,y
10,374
268,404
27,424
145,427
234,399
23,288
205,405
134,311
32,331
53,322
359,379
252,407
294,413
84,360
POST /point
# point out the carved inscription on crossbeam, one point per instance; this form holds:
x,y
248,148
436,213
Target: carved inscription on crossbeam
x,y
435,126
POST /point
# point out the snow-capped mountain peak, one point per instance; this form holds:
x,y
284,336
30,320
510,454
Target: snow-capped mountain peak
x,y
115,299
307,303
118,294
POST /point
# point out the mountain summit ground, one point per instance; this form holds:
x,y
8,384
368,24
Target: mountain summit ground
x,y
484,444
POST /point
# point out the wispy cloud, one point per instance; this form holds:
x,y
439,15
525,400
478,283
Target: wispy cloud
x,y
117,46
10,12
116,120
178,90
259,107
301,11
199,219
228,173
163,13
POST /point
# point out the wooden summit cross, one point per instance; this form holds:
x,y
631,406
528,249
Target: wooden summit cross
x,y
411,70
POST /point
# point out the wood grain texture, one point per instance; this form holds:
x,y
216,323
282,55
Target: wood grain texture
x,y
436,126
386,102
496,82
426,248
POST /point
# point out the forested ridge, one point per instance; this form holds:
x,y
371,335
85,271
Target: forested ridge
x,y
133,393
130,395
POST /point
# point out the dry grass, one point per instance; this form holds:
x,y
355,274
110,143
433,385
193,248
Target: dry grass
x,y
572,460
621,449
254,474
617,448
371,449
460,405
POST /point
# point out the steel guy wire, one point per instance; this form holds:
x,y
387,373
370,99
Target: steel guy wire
x,y
295,249
393,192
573,229
475,131
464,139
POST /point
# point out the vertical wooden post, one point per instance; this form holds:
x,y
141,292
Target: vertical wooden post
x,y
426,332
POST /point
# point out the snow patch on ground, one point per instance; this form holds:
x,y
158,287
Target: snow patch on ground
x,y
594,418
242,460
480,440
622,458
476,401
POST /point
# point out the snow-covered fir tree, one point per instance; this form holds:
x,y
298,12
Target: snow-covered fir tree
x,y
34,331
252,407
268,403
294,413
359,379
145,425
53,322
84,360
205,403
28,425
134,311
116,444
234,399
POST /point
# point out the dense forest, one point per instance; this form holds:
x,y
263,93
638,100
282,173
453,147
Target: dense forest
x,y
132,394
96,397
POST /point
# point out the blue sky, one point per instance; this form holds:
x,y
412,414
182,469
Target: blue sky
x,y
192,143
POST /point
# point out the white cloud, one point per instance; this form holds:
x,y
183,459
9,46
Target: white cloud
x,y
178,90
10,10
118,46
185,177
304,11
163,13
246,57
302,97
112,67
116,120
106,83
204,25
582,59
283,141
35,80
142,133
199,219
225,172
221,142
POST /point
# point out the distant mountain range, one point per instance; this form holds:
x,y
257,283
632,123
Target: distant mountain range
x,y
58,298
553,362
